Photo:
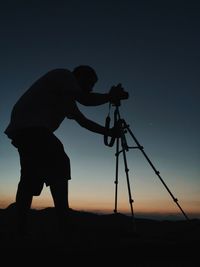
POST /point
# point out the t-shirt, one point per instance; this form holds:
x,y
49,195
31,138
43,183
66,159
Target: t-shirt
x,y
46,103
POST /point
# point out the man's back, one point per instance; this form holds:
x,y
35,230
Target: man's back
x,y
45,103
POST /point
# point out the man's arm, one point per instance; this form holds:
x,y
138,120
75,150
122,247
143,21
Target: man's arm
x,y
93,99
75,114
93,126
116,93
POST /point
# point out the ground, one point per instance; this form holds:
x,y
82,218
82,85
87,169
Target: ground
x,y
89,236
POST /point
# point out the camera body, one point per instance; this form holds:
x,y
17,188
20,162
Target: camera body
x,y
118,93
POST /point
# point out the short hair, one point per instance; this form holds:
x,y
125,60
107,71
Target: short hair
x,y
85,70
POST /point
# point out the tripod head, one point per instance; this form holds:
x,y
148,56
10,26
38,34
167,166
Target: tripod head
x,y
117,93
116,104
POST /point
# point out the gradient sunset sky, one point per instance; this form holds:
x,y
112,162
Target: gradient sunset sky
x,y
153,49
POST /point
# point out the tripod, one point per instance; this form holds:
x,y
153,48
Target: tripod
x,y
124,129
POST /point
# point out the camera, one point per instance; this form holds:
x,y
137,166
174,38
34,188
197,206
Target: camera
x,y
118,93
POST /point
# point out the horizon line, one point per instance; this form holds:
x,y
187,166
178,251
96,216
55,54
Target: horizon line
x,y
155,215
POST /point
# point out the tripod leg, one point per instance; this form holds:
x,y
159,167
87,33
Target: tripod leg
x,y
123,142
116,174
156,172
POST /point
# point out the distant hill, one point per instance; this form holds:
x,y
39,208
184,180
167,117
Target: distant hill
x,y
89,233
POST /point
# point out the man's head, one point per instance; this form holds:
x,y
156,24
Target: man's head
x,y
86,77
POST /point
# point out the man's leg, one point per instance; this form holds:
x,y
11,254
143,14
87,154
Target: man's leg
x,y
23,204
59,192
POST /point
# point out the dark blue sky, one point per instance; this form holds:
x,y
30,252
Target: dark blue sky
x,y
151,47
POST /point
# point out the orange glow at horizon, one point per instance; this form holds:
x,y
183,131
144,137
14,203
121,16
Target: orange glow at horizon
x,y
153,208
96,203
144,207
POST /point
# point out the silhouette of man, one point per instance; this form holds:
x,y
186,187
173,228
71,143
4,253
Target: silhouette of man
x,y
35,117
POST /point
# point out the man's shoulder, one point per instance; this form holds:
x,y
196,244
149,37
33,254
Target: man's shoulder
x,y
60,76
64,79
59,71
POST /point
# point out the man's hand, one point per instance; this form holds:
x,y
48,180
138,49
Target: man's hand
x,y
115,131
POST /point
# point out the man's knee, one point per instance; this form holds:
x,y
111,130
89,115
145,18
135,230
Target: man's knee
x,y
32,187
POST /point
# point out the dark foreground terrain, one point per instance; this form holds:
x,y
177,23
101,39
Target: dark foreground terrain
x,y
96,239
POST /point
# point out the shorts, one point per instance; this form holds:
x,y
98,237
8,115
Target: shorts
x,y
42,158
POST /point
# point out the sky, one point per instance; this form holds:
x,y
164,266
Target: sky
x,y
153,49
